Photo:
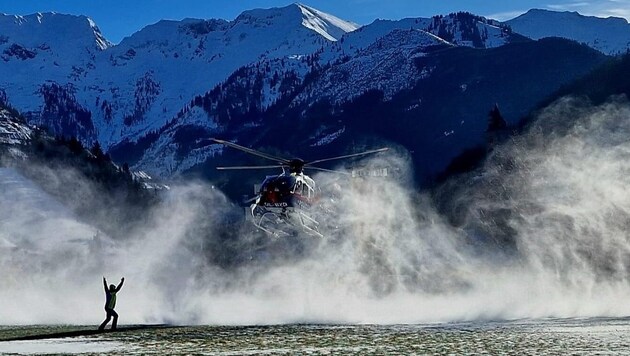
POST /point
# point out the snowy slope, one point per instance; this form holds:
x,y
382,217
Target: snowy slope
x,y
12,131
37,48
609,35
462,29
329,26
386,65
41,30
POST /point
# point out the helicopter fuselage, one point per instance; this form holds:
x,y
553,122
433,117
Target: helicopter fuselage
x,y
286,191
285,199
283,203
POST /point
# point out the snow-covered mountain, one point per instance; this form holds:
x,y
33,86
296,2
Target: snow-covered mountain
x,y
372,57
153,99
329,26
440,109
90,89
38,60
340,71
387,65
609,35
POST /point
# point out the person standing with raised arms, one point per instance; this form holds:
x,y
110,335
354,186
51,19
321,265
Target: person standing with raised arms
x,y
110,303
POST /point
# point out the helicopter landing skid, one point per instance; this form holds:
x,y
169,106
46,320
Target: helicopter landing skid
x,y
271,223
307,222
283,225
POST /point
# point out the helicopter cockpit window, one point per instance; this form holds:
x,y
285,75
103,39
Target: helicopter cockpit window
x,y
286,182
282,184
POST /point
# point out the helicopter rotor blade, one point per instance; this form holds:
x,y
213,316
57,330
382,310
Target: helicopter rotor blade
x,y
307,164
251,151
249,167
327,170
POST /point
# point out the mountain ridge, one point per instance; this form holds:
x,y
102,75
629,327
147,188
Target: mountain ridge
x,y
191,78
144,67
609,35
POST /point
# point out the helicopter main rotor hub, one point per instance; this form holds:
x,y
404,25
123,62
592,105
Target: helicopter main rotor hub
x,y
296,165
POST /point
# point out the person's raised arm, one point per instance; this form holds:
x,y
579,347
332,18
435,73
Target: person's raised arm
x,y
122,280
105,284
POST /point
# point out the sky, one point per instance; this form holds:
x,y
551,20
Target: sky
x,y
121,18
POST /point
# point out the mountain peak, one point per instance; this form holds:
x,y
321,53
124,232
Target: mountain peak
x,y
571,14
324,24
329,26
48,27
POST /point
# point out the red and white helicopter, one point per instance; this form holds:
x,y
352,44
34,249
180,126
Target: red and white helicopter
x,y
283,201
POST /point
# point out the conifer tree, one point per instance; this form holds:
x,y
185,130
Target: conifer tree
x,y
97,151
497,125
496,121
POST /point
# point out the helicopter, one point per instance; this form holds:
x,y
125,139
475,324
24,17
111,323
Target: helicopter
x,y
283,201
